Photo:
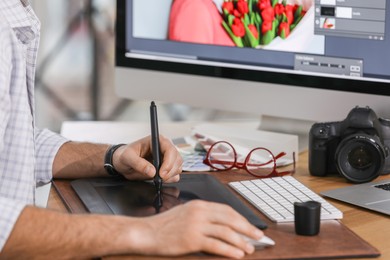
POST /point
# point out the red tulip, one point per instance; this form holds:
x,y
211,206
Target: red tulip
x,y
266,26
228,6
236,13
264,4
289,11
284,27
238,28
242,7
279,9
268,14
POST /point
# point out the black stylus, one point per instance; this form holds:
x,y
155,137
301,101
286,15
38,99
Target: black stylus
x,y
155,146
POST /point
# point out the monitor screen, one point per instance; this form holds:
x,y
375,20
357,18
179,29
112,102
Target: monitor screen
x,y
306,59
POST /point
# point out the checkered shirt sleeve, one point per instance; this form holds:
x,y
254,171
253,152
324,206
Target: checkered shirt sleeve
x,y
47,145
26,153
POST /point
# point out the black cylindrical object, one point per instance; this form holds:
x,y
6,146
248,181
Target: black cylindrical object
x,y
307,218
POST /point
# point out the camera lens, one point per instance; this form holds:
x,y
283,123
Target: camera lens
x,y
360,158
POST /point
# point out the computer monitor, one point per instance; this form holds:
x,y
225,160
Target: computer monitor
x,y
335,57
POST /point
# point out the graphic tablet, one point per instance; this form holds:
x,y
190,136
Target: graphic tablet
x,y
139,198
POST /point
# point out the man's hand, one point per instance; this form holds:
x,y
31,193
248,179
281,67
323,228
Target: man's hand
x,y
195,226
132,160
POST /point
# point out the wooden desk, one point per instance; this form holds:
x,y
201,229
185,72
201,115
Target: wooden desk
x,y
372,227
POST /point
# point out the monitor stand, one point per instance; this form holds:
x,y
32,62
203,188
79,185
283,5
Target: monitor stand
x,y
297,127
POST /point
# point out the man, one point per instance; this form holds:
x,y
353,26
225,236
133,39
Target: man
x,y
29,155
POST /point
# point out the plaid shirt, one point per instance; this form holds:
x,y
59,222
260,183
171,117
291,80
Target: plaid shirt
x,y
26,153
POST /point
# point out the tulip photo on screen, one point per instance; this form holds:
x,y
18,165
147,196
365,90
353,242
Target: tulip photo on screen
x,y
252,23
284,26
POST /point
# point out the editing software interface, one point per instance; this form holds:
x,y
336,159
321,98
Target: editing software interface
x,y
335,38
351,18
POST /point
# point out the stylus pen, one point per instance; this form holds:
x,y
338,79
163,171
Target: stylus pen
x,y
155,146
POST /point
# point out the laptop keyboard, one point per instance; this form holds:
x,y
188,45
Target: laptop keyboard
x,y
275,197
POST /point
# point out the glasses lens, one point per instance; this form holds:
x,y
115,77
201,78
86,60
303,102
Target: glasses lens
x,y
221,156
260,162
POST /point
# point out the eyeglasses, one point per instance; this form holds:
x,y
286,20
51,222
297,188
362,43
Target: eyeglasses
x,y
259,162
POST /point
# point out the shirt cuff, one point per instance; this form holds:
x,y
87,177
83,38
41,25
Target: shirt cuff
x,y
47,145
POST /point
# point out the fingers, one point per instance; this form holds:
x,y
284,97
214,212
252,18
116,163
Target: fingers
x,y
132,161
172,163
225,215
233,243
143,166
218,247
198,226
223,229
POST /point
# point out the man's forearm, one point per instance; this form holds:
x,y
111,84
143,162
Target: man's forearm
x,y
196,226
48,234
77,160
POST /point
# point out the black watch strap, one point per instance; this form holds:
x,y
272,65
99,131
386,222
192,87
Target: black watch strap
x,y
108,160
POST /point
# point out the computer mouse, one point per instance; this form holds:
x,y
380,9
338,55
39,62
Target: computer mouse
x,y
264,241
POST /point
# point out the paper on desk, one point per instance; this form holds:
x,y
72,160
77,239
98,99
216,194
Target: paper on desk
x,y
245,139
192,157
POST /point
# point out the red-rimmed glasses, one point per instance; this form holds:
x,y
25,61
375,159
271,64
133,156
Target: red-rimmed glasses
x,y
259,162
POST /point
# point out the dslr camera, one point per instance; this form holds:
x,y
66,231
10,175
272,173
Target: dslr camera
x,y
357,147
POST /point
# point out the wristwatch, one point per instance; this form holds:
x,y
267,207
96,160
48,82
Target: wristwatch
x,y
108,160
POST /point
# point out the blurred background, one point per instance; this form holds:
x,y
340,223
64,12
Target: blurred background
x,y
75,73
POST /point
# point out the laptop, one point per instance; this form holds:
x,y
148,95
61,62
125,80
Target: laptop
x,y
372,195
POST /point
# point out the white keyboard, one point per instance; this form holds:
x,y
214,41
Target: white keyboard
x,y
275,197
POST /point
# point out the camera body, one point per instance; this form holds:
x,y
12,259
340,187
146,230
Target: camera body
x,y
357,147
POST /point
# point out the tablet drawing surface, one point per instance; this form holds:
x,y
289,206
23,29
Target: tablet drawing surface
x,y
138,198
